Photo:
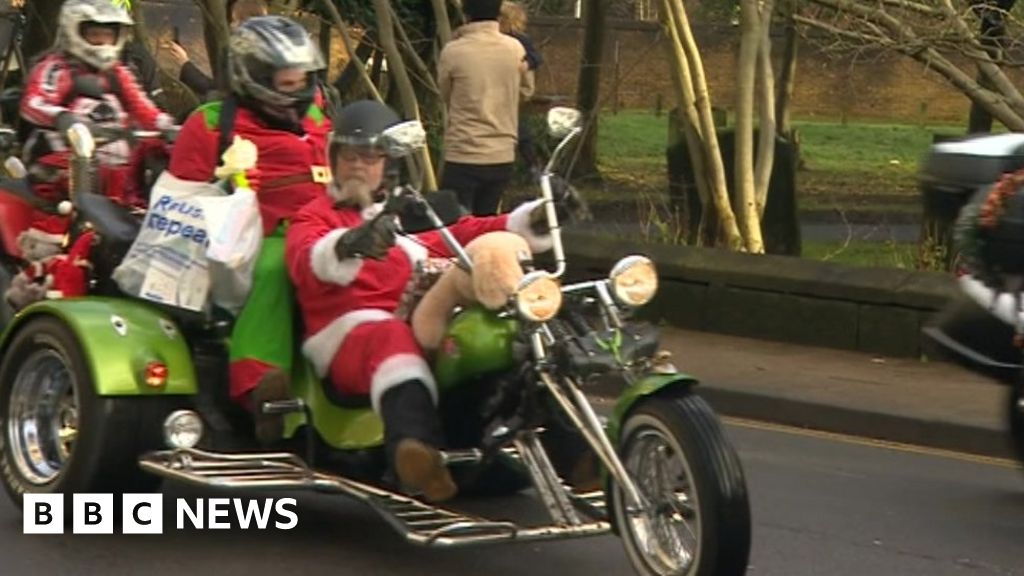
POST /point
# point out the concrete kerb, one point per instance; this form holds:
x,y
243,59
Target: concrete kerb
x,y
860,423
916,431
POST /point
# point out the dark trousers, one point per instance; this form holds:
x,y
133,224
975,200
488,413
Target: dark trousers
x,y
478,186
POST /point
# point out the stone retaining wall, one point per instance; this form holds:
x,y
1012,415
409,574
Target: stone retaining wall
x,y
876,310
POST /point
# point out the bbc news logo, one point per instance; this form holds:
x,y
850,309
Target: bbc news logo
x,y
144,514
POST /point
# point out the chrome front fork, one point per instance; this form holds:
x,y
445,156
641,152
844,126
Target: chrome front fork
x,y
576,406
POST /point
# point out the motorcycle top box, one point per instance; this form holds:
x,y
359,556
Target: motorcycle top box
x,y
951,172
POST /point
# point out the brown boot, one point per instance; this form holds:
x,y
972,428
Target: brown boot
x,y
412,433
420,467
275,385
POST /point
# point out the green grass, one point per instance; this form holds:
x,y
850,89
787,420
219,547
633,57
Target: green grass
x,y
632,139
856,167
861,158
887,148
875,254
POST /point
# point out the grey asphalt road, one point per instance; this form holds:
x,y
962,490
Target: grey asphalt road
x,y
822,507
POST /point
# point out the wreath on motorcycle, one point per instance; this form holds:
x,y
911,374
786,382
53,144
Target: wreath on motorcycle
x,y
989,235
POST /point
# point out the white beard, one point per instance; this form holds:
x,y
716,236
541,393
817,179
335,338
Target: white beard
x,y
353,191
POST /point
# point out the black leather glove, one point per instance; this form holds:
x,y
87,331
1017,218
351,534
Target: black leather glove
x,y
66,120
103,113
371,239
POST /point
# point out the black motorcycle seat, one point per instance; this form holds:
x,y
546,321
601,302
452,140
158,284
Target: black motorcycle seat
x,y
111,220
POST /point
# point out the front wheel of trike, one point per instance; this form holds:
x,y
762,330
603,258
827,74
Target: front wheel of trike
x,y
58,435
697,517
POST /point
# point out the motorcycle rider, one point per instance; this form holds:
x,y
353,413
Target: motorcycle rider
x,y
81,80
350,271
272,69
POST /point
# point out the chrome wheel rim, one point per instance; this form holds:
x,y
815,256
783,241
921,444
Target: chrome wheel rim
x,y
42,423
667,531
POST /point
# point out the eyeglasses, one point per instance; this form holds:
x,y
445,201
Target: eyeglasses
x,y
367,155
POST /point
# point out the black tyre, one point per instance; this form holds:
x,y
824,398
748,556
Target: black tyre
x,y
57,435
1016,414
6,311
698,520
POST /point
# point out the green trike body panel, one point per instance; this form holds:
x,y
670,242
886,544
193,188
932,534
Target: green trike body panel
x,y
647,386
119,337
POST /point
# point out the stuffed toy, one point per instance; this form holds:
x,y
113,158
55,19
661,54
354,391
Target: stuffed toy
x,y
496,258
50,274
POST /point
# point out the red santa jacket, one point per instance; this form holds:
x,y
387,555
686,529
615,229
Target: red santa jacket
x,y
292,166
338,295
50,91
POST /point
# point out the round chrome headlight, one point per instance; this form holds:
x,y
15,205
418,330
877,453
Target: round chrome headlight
x,y
538,297
634,280
183,429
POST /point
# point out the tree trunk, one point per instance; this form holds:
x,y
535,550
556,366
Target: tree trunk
x,y
787,74
765,110
595,19
215,32
41,28
689,128
743,176
717,186
993,28
400,75
346,38
444,27
350,83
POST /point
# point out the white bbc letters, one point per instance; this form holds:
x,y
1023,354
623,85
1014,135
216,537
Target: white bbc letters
x,y
142,514
93,514
219,508
43,513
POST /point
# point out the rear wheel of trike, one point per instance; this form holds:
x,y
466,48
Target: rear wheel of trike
x,y
58,436
697,522
7,274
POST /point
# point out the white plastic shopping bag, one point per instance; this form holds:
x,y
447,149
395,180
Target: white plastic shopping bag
x,y
235,236
167,263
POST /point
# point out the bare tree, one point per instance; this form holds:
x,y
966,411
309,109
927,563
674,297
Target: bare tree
x,y
746,71
787,71
595,21
992,32
696,105
386,25
944,35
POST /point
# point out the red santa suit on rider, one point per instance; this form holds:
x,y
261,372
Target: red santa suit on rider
x,y
83,79
350,271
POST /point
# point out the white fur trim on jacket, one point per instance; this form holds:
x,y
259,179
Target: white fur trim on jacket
x,y
396,370
326,265
1001,305
35,234
321,347
519,222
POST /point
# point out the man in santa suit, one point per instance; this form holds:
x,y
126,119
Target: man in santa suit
x,y
350,270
